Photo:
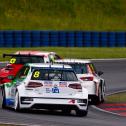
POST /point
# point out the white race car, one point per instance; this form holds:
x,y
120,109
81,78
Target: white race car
x,y
46,86
91,79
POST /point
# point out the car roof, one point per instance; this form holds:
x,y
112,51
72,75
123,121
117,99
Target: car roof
x,y
79,61
41,53
49,65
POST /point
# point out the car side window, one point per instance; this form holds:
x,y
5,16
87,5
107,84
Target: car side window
x,y
23,72
56,57
79,68
91,68
40,74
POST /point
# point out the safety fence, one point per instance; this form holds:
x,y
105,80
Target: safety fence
x,y
62,39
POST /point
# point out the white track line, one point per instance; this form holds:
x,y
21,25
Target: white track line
x,y
17,124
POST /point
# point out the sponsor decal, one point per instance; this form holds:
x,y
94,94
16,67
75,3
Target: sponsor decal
x,y
48,84
48,90
12,61
12,92
36,74
55,89
62,84
38,90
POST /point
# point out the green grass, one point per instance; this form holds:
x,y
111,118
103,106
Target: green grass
x,y
117,98
81,53
100,15
10,125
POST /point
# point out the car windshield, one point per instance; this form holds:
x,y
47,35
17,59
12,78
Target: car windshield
x,y
54,75
27,59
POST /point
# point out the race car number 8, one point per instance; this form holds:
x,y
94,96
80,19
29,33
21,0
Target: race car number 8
x,y
13,60
36,74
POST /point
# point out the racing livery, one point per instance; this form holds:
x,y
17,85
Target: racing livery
x,y
90,78
46,86
18,59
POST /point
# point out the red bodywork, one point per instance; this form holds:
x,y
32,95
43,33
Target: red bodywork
x,y
10,69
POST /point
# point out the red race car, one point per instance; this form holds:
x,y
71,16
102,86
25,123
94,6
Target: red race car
x,y
18,59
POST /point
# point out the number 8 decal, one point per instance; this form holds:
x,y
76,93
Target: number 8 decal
x,y
13,60
36,74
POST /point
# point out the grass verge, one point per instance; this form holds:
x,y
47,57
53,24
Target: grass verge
x,y
117,98
9,124
75,52
100,15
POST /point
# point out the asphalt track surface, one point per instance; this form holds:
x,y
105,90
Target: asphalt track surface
x,y
115,76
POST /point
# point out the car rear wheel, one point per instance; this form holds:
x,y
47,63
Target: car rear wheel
x,y
97,99
3,99
103,95
17,104
99,95
66,111
81,113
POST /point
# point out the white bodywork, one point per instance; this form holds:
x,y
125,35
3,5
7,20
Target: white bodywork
x,y
91,86
42,96
51,93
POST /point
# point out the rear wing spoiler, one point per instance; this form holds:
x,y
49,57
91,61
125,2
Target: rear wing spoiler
x,y
22,55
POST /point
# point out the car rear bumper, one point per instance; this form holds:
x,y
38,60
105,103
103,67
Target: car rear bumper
x,y
53,103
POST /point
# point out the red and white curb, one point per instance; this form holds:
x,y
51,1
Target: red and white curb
x,y
112,108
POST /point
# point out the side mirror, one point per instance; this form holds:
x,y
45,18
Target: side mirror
x,y
100,73
10,77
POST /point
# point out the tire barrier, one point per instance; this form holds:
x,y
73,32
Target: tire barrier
x,y
62,39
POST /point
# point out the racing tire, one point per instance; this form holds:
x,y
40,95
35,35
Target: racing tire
x,y
98,98
99,95
66,111
3,99
17,104
81,113
103,95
